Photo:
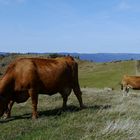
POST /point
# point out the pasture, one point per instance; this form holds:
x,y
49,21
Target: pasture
x,y
108,115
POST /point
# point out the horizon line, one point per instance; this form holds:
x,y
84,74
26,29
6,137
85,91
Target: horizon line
x,y
70,52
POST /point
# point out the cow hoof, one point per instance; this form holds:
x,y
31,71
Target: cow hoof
x,y
34,117
6,116
64,108
83,107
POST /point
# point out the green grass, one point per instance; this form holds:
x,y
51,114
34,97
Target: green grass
x,y
102,75
107,117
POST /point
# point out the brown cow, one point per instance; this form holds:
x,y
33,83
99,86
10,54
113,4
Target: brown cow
x,y
28,77
128,82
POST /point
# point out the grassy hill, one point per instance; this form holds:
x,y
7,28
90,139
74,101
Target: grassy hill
x,y
102,75
108,115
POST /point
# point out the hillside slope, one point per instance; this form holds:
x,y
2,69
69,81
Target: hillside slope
x,y
102,75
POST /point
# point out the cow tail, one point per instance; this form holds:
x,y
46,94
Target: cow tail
x,y
76,86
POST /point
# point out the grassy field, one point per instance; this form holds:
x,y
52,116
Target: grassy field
x,y
101,75
108,115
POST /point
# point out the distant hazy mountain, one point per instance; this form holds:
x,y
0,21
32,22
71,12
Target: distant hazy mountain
x,y
2,53
106,57
99,57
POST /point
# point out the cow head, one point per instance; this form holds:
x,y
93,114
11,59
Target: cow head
x,y
2,105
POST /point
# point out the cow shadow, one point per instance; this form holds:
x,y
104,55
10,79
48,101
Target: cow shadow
x,y
55,112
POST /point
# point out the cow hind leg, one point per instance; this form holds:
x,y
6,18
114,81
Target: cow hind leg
x,y
78,94
34,98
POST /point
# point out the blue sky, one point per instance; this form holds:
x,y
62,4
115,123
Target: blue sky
x,y
84,26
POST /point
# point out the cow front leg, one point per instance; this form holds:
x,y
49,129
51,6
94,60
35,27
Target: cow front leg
x,y
34,98
7,113
125,91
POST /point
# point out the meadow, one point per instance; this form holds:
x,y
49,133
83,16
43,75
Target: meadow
x,y
108,116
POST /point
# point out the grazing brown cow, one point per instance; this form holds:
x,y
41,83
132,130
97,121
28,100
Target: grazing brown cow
x,y
128,82
28,77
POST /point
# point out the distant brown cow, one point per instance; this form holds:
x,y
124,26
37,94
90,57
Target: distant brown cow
x,y
128,82
28,77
